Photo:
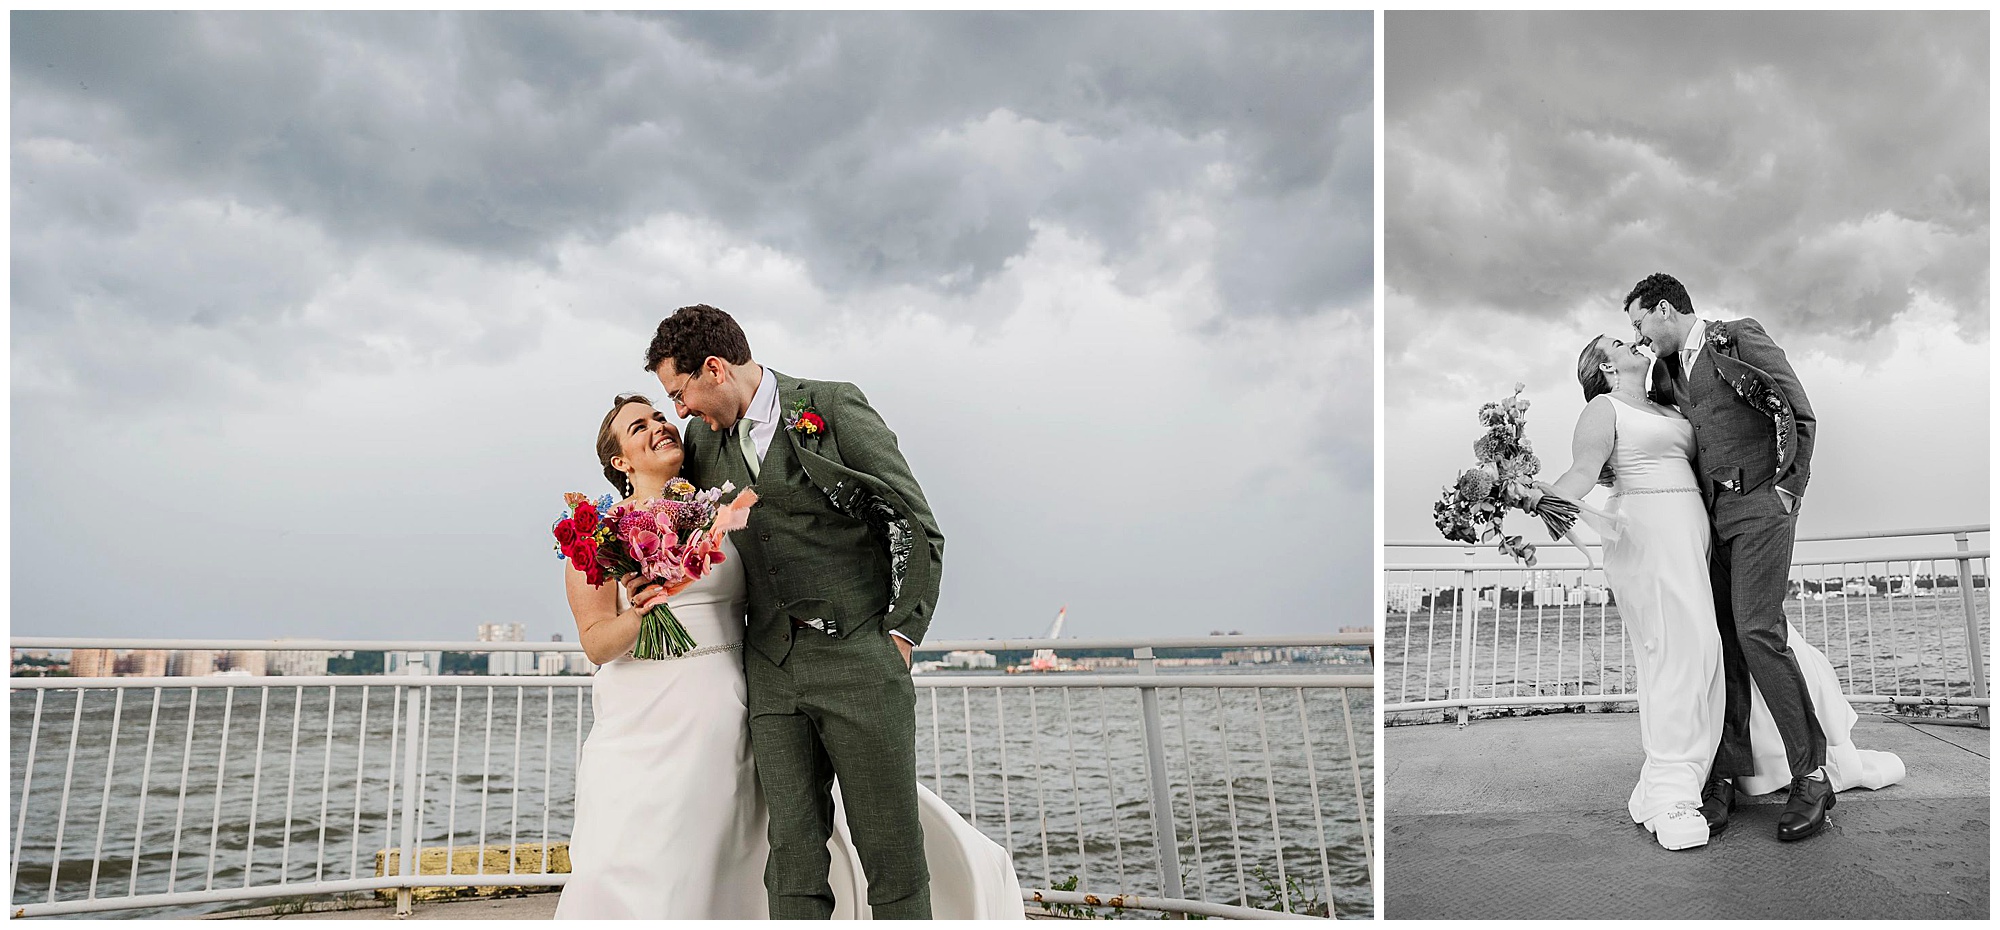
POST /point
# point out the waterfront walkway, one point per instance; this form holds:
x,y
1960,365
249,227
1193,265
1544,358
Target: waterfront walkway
x,y
538,906
1525,818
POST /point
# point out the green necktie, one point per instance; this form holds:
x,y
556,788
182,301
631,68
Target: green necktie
x,y
751,459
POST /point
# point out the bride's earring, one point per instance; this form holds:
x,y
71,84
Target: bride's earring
x,y
1615,379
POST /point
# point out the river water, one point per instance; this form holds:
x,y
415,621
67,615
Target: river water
x,y
299,785
1914,646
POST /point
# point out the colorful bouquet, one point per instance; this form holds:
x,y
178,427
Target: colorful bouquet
x,y
1473,509
674,540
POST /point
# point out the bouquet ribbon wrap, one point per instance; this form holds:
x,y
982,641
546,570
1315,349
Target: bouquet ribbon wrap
x,y
1609,525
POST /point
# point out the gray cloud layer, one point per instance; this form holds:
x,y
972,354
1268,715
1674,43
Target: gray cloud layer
x,y
314,315
1819,171
881,150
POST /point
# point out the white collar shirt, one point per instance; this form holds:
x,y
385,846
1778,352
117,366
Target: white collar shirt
x,y
1691,346
762,417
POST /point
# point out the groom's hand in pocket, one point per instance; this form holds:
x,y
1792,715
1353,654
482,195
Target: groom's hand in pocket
x,y
903,646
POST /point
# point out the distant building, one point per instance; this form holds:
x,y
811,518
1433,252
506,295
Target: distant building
x,y
970,659
145,663
1249,656
298,662
576,663
1404,598
1587,595
247,661
510,663
93,663
415,663
191,663
507,663
550,663
1097,662
503,633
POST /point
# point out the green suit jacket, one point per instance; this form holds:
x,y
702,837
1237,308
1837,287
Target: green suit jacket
x,y
841,533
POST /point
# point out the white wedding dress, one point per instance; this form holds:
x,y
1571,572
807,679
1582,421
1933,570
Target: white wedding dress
x,y
1656,558
670,822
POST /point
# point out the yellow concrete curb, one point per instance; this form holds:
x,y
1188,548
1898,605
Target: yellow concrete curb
x,y
474,860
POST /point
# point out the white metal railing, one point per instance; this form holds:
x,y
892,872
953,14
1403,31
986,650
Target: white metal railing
x,y
1246,792
1904,629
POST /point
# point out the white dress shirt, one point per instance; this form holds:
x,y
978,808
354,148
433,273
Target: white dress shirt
x,y
762,415
1691,346
762,418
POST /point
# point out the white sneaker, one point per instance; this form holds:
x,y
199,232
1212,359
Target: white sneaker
x,y
1680,828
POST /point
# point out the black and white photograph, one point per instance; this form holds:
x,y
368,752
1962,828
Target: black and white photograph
x,y
1685,443
692,465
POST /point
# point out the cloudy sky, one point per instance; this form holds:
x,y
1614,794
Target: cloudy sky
x,y
1826,174
314,317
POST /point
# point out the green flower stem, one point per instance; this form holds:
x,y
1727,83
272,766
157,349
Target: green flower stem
x,y
661,636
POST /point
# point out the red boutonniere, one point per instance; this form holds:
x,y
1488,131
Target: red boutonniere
x,y
805,420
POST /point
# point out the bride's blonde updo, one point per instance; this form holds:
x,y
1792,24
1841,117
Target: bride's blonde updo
x,y
608,446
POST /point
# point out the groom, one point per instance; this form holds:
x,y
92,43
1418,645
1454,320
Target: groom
x,y
1753,435
842,558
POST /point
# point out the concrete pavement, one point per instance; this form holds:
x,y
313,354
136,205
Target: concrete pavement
x,y
1525,818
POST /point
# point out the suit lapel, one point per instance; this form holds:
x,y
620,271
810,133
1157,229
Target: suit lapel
x,y
791,392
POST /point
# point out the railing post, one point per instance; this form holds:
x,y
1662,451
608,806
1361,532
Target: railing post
x,y
1168,843
1468,593
1974,647
408,866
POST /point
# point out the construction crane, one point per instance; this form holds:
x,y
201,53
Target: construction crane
x,y
1045,659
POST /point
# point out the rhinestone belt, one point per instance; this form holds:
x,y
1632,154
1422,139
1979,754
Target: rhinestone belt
x,y
1658,491
697,651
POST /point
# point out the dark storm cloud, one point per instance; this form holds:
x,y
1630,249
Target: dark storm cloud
x,y
879,150
1819,169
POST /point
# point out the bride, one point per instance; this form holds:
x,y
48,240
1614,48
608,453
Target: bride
x,y
670,822
1656,549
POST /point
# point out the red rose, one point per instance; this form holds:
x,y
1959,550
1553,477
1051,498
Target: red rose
x,y
586,561
586,518
812,422
566,534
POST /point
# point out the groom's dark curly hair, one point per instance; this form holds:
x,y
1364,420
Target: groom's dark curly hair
x,y
1657,287
693,334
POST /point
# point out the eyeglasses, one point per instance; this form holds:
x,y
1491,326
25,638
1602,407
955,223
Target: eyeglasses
x,y
675,394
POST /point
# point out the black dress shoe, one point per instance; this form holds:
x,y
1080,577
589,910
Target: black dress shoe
x,y
1805,810
1718,798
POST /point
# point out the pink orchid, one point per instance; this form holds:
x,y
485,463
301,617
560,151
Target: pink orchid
x,y
694,561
